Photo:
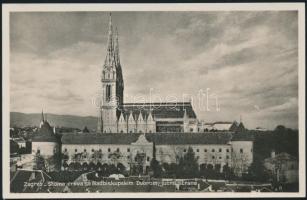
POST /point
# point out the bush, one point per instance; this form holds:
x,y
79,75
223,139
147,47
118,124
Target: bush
x,y
65,176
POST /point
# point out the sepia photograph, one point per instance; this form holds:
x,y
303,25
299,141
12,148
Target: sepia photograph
x,y
162,100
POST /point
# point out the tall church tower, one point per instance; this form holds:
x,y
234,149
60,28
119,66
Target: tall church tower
x,y
112,86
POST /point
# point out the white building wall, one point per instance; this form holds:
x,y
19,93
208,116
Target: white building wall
x,y
214,154
47,149
204,153
242,156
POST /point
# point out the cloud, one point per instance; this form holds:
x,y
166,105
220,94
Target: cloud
x,y
247,59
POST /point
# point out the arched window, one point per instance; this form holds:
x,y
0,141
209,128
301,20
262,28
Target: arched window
x,y
108,92
104,74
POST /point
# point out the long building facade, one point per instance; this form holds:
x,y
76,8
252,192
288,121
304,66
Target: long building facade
x,y
215,149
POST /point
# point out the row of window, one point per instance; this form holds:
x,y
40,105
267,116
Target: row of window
x,y
128,157
148,158
213,157
100,150
185,150
122,131
219,150
212,150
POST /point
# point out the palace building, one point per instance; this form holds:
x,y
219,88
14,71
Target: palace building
x,y
130,134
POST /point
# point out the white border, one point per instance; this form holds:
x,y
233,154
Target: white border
x,y
7,8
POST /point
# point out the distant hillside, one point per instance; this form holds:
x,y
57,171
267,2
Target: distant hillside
x,y
22,119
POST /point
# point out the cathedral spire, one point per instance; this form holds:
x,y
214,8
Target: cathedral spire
x,y
42,119
110,49
116,49
110,36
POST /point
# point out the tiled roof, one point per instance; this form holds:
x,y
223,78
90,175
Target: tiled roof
x,y
189,138
159,110
242,136
93,138
45,134
158,138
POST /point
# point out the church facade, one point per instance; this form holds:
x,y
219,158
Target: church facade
x,y
115,116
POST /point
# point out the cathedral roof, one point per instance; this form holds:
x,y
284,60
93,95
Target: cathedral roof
x,y
45,134
158,138
159,110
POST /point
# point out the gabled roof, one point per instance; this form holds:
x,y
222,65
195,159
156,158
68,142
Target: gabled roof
x,y
159,110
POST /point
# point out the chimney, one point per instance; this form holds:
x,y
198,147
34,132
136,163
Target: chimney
x,y
273,154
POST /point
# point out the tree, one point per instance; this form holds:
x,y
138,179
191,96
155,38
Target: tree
x,y
257,172
156,168
13,147
140,160
188,165
227,172
113,169
121,168
154,164
39,162
280,128
115,156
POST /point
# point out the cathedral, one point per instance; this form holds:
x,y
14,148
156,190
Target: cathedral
x,y
136,133
115,116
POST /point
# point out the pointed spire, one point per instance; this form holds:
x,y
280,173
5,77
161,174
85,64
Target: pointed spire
x,y
110,49
116,49
140,118
110,37
150,118
121,117
43,119
131,116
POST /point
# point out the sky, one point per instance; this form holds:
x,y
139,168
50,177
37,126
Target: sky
x,y
230,65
